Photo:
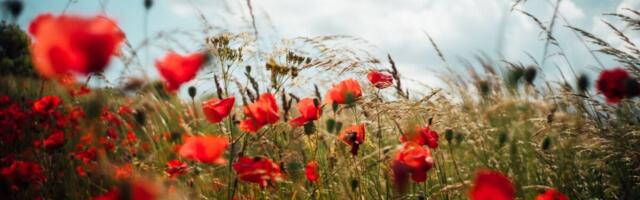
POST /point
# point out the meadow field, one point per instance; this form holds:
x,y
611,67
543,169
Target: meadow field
x,y
316,118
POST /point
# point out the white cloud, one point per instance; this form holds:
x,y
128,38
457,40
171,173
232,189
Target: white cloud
x,y
570,10
461,28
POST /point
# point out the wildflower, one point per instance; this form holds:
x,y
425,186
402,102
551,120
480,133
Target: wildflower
x,y
217,109
176,168
47,104
138,190
353,136
82,90
205,149
124,110
258,170
344,92
412,159
311,171
552,194
177,69
80,171
616,84
380,79
123,172
55,140
422,136
22,173
65,44
309,111
491,185
86,156
264,111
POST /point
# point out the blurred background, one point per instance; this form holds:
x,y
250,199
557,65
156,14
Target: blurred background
x,y
462,28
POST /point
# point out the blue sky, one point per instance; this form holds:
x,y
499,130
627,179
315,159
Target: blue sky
x,y
462,28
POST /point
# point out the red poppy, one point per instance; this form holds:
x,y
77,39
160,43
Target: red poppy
x,y
422,136
88,155
139,190
22,173
491,185
552,194
177,69
257,170
80,171
55,140
309,111
413,159
205,149
616,84
344,92
47,104
262,112
124,110
311,171
380,79
176,168
74,44
217,109
82,90
123,172
353,136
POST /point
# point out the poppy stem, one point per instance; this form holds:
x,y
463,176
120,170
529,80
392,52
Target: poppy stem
x,y
42,82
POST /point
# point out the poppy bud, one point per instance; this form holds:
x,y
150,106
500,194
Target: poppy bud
x,y
530,74
459,138
583,83
14,7
94,108
175,136
140,116
631,87
514,76
484,87
546,143
309,128
331,124
248,69
354,184
334,106
338,127
448,134
192,92
502,138
148,4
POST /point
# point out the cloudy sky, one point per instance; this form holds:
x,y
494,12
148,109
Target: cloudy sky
x,y
462,28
